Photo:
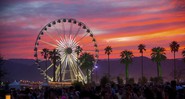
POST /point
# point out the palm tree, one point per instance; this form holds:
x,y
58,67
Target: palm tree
x,y
87,63
157,56
60,73
108,51
126,58
174,46
45,53
2,71
78,50
141,48
183,54
54,56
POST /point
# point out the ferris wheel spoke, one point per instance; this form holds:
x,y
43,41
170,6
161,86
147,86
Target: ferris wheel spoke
x,y
58,32
65,66
62,60
50,36
72,60
71,73
70,42
74,56
74,44
82,38
49,78
48,67
48,43
63,71
81,75
63,26
57,69
76,33
62,52
64,30
74,73
73,65
61,43
57,72
70,30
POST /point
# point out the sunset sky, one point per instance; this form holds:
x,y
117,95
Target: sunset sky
x,y
122,24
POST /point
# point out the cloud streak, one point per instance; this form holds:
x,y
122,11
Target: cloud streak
x,y
125,24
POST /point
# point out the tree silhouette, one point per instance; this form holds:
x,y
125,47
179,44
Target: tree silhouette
x,y
183,54
78,50
54,56
2,72
45,54
108,51
157,56
174,46
141,48
126,58
87,63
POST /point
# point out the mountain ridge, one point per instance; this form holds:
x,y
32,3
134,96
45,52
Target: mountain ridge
x,y
26,69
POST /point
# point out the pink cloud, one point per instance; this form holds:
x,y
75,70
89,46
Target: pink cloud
x,y
21,22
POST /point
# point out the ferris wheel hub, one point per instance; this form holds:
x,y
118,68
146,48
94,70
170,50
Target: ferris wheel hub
x,y
68,50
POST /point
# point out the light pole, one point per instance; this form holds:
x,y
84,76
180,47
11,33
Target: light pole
x,y
96,69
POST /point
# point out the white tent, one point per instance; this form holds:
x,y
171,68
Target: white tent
x,y
44,84
15,85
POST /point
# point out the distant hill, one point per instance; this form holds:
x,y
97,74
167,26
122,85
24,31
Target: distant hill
x,y
150,68
26,69
21,69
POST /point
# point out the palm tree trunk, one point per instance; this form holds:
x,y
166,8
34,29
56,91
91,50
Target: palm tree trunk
x,y
142,65
46,70
126,72
174,66
54,70
87,72
77,71
159,71
60,72
108,67
91,75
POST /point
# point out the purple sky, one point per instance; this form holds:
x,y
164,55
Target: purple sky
x,y
122,24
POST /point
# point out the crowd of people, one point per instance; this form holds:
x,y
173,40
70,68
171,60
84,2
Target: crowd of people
x,y
107,91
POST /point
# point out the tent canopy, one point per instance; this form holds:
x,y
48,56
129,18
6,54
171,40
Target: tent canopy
x,y
15,85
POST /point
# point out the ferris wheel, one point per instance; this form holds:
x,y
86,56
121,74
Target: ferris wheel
x,y
56,49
